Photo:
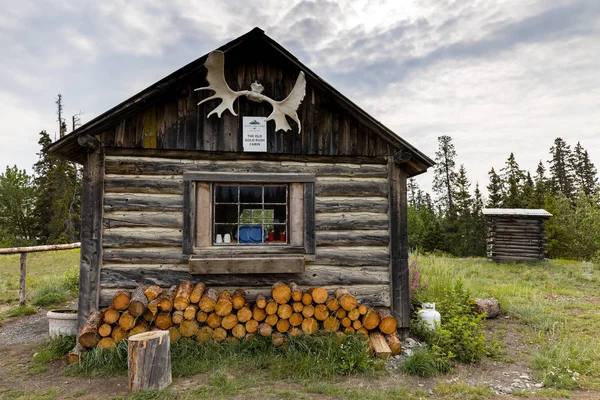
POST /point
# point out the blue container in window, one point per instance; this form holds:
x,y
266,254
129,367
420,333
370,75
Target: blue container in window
x,y
252,234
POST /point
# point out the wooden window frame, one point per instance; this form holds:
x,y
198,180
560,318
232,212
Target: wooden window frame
x,y
206,258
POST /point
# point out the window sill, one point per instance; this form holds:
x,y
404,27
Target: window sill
x,y
251,263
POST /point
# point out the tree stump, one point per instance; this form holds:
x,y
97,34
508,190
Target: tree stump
x,y
491,307
149,361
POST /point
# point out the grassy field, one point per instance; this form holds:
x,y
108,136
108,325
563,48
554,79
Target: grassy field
x,y
45,269
554,305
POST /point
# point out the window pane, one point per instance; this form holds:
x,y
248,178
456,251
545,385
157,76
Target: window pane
x,y
251,214
226,213
251,194
226,194
278,213
275,194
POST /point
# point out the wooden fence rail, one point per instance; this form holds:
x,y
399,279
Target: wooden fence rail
x,y
23,267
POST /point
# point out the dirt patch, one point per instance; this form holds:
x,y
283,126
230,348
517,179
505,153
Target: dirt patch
x,y
29,329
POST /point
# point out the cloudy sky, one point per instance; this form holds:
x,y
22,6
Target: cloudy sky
x,y
496,75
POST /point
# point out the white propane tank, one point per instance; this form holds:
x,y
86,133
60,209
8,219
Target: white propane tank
x,y
429,316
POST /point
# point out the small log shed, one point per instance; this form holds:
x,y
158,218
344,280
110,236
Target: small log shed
x,y
516,234
169,194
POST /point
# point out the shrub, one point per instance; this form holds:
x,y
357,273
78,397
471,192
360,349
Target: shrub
x,y
70,280
459,337
49,297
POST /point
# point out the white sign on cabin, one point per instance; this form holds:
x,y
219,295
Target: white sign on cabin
x,y
255,133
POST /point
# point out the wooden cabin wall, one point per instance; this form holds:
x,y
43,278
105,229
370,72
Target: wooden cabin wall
x,y
516,239
143,211
173,121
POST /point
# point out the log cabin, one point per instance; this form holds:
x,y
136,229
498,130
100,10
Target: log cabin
x,y
171,193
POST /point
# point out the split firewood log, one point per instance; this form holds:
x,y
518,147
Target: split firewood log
x,y
379,345
224,304
204,334
213,320
121,300
153,305
190,312
271,319
296,291
111,315
321,312
283,325
238,331
271,307
152,292
306,298
281,292
258,313
261,301
284,311
182,297
490,306
387,323
166,299
297,306
332,303
244,314
347,301
140,327
174,334
279,339
265,329
310,325
341,313
118,333
197,293
331,324
127,321
308,311
229,321
354,314
148,316
394,342
238,299
201,316
188,328
208,301
106,343
251,326
163,321
177,317
295,319
370,320
105,330
89,333
219,334
319,294
76,354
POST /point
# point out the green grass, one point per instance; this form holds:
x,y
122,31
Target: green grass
x,y
463,391
555,302
20,311
10,394
52,268
420,363
52,349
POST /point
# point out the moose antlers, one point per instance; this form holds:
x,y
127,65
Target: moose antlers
x,y
215,64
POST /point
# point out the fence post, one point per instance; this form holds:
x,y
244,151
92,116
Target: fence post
x,y
23,280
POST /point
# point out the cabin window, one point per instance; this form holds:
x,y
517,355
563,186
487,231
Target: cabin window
x,y
248,223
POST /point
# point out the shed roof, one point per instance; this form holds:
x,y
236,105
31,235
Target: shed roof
x,y
68,145
516,212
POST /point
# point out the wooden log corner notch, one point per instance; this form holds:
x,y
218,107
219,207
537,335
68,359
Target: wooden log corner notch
x,y
88,142
402,156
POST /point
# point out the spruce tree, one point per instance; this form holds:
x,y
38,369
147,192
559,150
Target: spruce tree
x,y
561,169
413,189
540,186
584,170
495,189
478,225
512,176
444,178
528,199
461,236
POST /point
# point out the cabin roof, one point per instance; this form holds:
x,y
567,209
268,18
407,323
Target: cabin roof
x,y
515,212
68,146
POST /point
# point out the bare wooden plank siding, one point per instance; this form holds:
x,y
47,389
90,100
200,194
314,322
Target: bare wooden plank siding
x,y
163,219
171,184
142,202
140,237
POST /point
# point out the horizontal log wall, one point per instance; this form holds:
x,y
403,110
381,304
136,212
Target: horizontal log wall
x,y
516,239
143,222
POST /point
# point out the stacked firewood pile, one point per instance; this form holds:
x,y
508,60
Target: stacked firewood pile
x,y
195,311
